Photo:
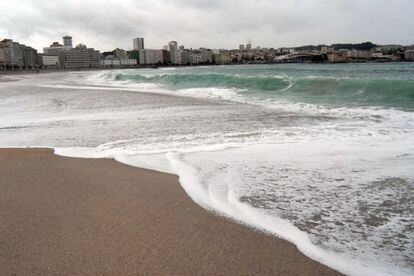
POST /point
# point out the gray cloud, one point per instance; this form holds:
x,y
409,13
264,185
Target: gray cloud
x,y
108,24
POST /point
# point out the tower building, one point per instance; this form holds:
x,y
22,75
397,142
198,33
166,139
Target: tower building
x,y
138,43
67,41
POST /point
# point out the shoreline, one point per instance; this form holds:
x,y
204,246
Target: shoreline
x,y
71,215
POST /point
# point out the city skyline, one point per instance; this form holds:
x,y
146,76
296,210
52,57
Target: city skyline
x,y
211,24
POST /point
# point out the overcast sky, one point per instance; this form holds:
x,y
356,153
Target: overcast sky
x,y
108,24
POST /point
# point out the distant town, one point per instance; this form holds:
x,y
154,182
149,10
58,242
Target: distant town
x,y
16,56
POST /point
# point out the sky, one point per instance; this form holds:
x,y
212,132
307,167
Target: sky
x,y
110,24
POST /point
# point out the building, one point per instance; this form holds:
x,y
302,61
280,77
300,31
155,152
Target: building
x,y
14,55
49,61
29,57
82,57
172,47
193,57
153,57
2,60
336,57
326,49
55,48
222,57
138,43
133,54
206,56
356,54
128,62
120,53
166,56
67,41
241,47
409,55
110,61
248,47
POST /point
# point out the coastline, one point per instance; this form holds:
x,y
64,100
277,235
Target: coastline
x,y
46,71
65,215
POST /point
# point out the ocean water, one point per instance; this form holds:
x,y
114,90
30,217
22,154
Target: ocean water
x,y
319,155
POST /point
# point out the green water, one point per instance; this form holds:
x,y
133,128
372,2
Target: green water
x,y
388,85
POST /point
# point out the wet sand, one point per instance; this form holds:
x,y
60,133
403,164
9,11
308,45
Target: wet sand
x,y
75,216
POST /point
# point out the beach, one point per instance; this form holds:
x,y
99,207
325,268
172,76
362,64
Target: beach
x,y
76,216
319,156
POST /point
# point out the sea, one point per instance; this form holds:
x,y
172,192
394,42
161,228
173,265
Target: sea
x,y
321,155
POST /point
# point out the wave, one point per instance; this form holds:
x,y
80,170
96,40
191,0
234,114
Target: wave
x,y
322,90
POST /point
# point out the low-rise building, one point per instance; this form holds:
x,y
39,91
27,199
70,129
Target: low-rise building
x,y
49,61
111,62
128,62
336,57
82,57
356,54
409,55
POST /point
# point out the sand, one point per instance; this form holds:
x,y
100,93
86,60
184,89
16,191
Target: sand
x,y
74,216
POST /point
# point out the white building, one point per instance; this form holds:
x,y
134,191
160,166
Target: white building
x,y
138,43
128,62
173,49
111,62
116,62
50,61
356,54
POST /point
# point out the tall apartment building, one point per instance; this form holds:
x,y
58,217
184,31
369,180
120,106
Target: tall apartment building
x,y
15,55
181,57
173,49
138,43
248,47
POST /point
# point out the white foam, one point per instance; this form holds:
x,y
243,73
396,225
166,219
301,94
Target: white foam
x,y
231,207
